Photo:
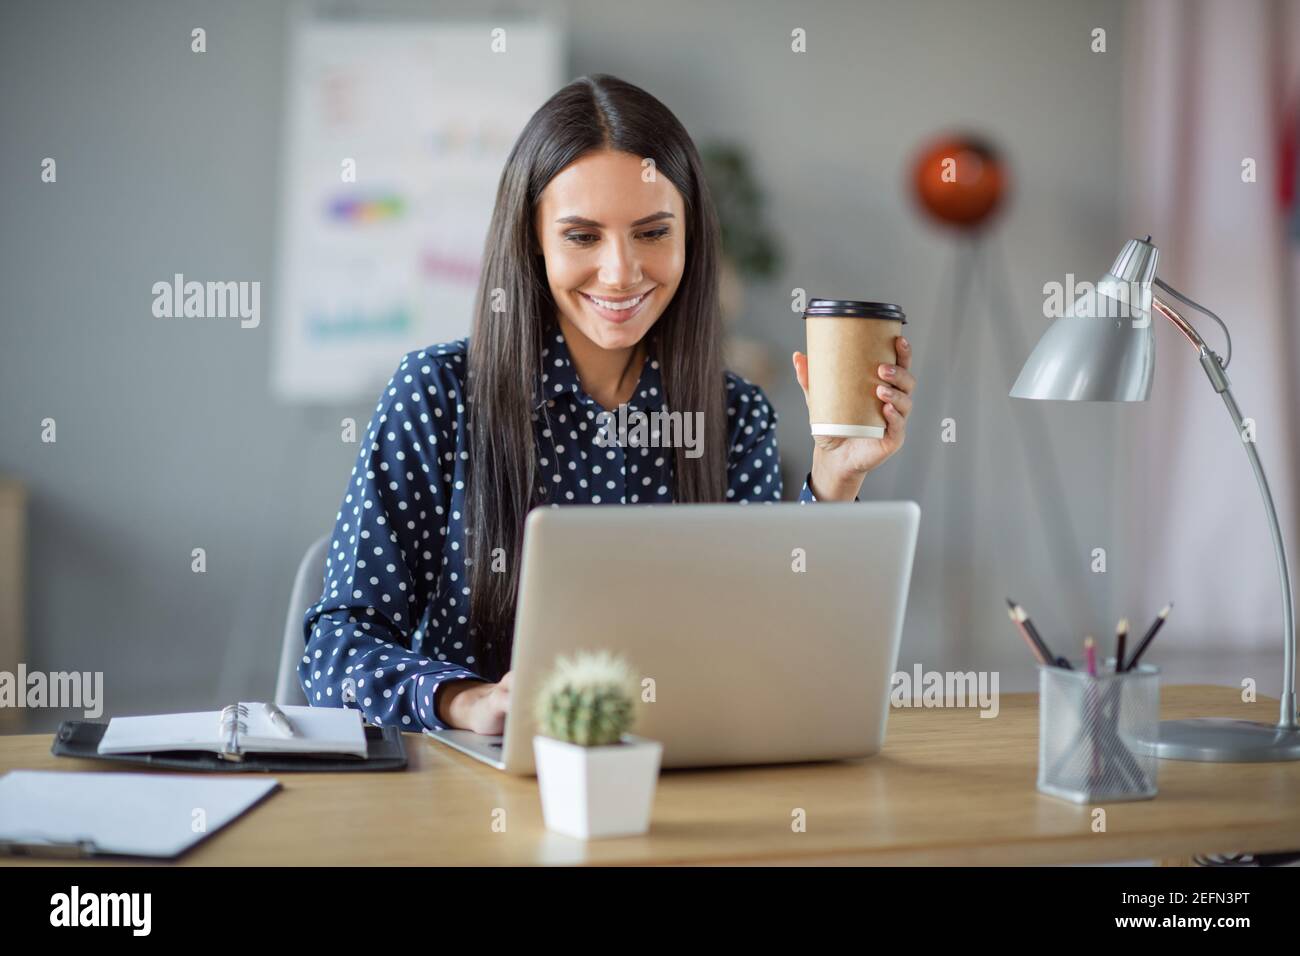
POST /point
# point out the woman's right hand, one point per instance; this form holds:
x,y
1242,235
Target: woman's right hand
x,y
475,705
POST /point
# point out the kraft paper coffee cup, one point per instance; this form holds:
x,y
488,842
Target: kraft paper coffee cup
x,y
848,340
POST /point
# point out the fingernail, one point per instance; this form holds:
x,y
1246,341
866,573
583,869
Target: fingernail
x,y
888,371
904,343
883,391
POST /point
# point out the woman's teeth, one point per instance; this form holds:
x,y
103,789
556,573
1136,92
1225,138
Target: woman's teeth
x,y
617,306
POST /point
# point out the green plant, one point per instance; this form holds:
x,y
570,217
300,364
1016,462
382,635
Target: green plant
x,y
739,202
588,699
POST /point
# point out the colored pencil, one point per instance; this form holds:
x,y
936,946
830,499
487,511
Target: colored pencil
x,y
1033,648
1022,618
1150,635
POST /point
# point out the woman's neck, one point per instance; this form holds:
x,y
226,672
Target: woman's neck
x,y
608,375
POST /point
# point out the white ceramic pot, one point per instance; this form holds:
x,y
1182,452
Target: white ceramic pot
x,y
590,792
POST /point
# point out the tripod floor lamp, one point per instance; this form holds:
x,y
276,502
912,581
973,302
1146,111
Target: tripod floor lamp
x,y
1103,350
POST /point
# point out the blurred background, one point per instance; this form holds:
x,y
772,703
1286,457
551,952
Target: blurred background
x,y
212,141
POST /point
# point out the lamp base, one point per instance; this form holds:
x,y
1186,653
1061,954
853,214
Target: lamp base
x,y
1219,740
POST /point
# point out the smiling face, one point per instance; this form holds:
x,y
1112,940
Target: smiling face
x,y
614,245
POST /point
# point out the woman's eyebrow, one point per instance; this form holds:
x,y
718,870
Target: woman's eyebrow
x,y
581,221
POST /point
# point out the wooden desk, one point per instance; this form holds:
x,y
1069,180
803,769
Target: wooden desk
x,y
949,787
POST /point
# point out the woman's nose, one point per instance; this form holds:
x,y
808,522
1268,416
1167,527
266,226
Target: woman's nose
x,y
619,267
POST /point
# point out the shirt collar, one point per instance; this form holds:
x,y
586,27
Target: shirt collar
x,y
559,376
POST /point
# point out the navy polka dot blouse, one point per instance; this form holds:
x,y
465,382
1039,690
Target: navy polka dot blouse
x,y
392,621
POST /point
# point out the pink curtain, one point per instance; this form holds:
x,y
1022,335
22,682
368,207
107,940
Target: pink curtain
x,y
1211,84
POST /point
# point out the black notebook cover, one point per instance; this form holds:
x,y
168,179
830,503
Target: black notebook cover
x,y
384,746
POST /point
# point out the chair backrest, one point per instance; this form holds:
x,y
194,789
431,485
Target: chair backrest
x,y
307,586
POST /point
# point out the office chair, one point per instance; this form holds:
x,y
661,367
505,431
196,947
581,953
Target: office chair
x,y
306,590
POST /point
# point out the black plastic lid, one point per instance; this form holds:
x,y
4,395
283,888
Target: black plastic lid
x,y
853,308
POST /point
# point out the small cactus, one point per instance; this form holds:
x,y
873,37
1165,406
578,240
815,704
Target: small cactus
x,y
588,699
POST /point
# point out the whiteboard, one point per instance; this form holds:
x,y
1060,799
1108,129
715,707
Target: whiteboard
x,y
426,112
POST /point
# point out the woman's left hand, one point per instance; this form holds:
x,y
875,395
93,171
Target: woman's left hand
x,y
848,460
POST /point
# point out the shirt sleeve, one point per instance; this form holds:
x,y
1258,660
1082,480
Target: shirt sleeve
x,y
753,460
384,560
806,495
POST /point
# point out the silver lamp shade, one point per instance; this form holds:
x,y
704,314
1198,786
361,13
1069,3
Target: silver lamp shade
x,y
1103,348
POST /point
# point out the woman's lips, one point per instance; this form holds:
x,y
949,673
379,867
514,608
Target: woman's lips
x,y
617,315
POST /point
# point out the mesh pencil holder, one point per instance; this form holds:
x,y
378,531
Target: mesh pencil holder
x,y
1094,733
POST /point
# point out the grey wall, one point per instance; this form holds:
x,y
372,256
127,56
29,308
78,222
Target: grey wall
x,y
168,438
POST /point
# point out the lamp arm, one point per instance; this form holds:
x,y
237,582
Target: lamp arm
x,y
1162,284
1215,371
1180,323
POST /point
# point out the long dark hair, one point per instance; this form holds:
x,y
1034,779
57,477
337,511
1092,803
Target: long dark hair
x,y
514,307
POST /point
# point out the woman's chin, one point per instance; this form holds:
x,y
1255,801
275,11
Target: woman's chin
x,y
614,335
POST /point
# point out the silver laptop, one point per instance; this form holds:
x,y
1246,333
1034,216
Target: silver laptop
x,y
765,633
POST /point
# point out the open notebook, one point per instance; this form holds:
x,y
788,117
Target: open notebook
x,y
239,729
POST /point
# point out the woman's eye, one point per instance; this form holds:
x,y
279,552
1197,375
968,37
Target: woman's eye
x,y
587,238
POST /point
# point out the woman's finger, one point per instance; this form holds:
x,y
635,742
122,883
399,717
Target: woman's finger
x,y
900,400
903,349
902,379
895,423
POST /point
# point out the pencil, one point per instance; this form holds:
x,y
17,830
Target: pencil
x,y
1033,648
1042,652
1095,729
1150,635
1023,616
1060,661
1121,638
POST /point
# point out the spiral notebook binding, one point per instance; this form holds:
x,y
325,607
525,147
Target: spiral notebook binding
x,y
232,725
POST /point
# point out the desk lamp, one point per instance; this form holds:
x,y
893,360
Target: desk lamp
x,y
1103,350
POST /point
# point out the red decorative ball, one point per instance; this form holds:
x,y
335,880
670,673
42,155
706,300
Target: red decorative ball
x,y
960,181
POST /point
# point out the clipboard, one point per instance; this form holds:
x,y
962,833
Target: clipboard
x,y
75,815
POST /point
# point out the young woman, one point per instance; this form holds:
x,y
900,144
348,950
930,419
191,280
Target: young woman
x,y
599,288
